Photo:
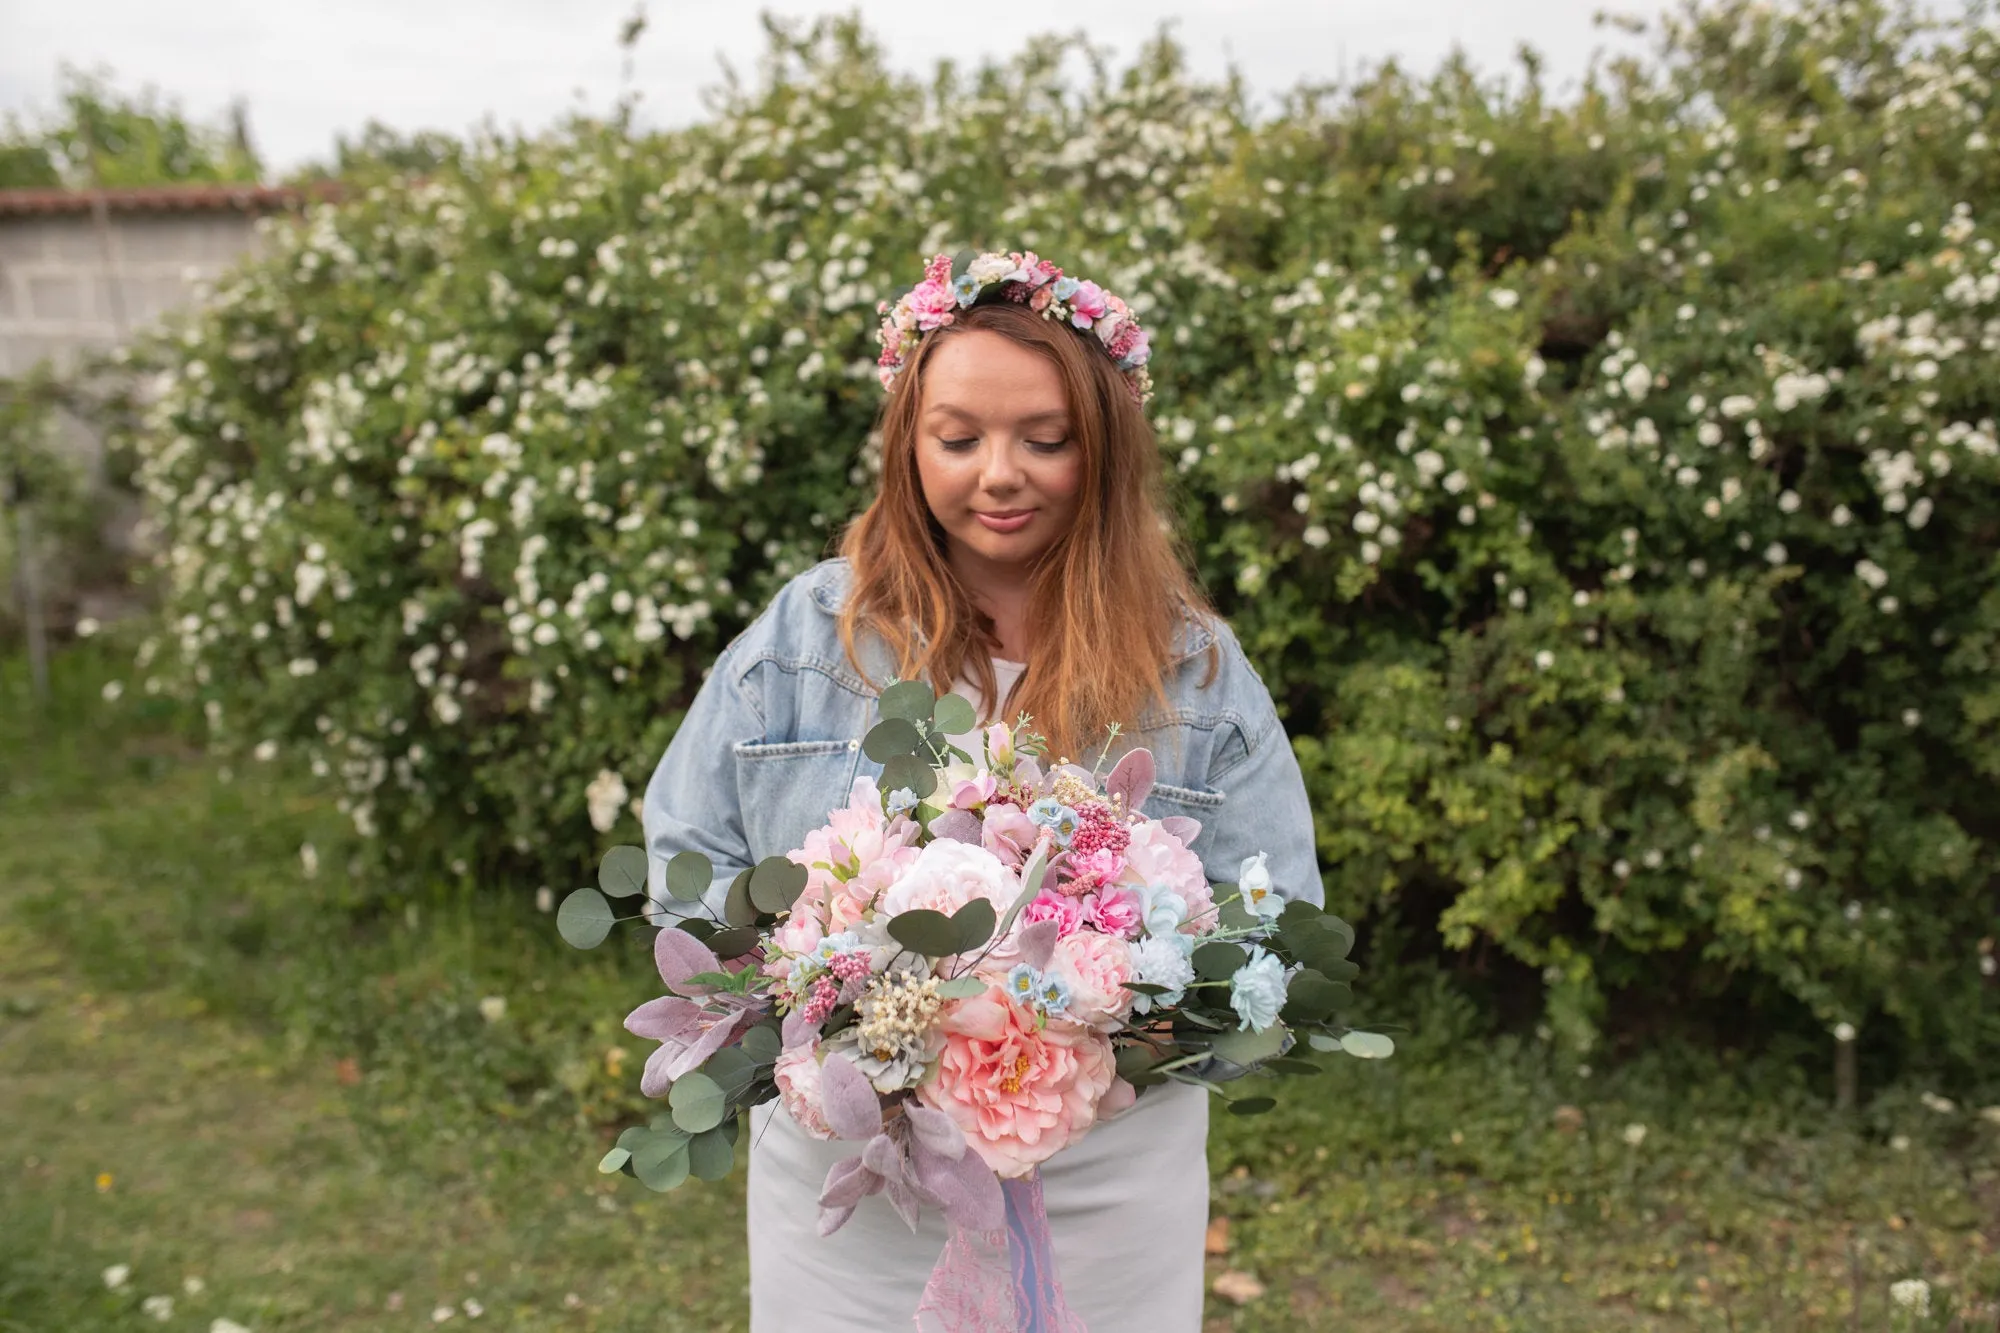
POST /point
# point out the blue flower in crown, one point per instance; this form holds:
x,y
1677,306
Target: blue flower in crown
x,y
966,288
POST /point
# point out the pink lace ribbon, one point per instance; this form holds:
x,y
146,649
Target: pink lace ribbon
x,y
1000,1281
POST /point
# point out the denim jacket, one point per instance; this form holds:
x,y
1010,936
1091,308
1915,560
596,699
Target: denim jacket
x,y
772,742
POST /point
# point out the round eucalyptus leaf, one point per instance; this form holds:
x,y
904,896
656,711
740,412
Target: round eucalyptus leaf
x,y
584,918
1246,1048
775,884
614,1161
1310,998
1324,1041
697,1102
891,737
710,1155
733,943
1252,1105
1136,1060
732,1069
621,873
762,1044
961,988
953,716
906,770
737,909
908,700
662,1164
1368,1045
689,875
699,927
1218,960
926,932
974,923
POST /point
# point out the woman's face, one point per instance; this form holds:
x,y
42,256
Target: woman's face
x,y
994,454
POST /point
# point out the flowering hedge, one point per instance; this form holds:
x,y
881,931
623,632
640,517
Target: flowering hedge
x,y
1607,491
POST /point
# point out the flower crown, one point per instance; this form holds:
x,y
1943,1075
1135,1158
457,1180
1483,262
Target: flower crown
x,y
1026,280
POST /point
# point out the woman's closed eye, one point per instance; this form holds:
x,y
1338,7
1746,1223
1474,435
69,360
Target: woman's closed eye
x,y
1044,446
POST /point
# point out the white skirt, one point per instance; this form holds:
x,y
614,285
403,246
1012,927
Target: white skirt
x,y
1128,1209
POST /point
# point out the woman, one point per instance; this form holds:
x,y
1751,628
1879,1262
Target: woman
x,y
1018,551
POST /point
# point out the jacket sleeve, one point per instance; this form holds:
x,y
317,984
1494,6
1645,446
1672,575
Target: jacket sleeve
x,y
1266,808
692,800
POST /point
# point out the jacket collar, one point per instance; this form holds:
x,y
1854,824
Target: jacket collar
x,y
832,579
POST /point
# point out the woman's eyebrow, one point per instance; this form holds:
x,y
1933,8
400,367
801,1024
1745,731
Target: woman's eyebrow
x,y
1037,419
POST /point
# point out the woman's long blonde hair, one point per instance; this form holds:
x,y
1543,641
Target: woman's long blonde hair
x,y
1108,600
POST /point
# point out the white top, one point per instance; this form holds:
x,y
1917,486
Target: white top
x,y
1005,673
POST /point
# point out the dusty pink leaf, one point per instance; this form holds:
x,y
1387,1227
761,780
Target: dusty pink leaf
x,y
957,826
1183,828
1132,778
1037,941
680,956
848,1100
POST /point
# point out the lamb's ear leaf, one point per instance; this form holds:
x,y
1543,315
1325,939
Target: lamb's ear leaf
x,y
1132,778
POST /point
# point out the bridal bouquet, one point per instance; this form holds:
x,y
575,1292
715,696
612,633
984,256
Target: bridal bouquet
x,y
976,959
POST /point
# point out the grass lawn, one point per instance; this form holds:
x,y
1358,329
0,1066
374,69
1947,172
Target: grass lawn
x,y
278,1100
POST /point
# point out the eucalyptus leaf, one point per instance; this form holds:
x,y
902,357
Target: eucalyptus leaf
x,y
699,927
953,716
1031,885
1246,1048
1285,1064
1368,1045
961,988
1146,988
1218,960
734,942
908,771
1134,1060
1231,912
698,1102
737,909
614,1161
891,738
1310,998
662,1164
762,1044
584,918
711,1154
908,700
688,876
1324,1041
1252,1105
926,932
621,872
775,884
732,1069
974,923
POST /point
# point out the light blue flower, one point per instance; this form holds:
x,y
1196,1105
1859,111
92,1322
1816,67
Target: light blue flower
x,y
1041,991
1257,991
1165,911
1052,996
1066,288
1254,880
1160,961
1054,815
966,288
901,802
833,946
1022,982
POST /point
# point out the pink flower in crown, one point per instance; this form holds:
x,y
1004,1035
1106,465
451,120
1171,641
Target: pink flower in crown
x,y
1061,908
1008,833
1116,910
1128,336
797,1073
1086,303
973,792
1041,299
1020,1090
1096,968
1138,350
1156,856
933,304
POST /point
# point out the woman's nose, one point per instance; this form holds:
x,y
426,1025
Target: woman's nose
x,y
1000,471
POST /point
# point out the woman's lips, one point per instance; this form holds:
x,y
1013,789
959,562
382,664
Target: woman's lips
x,y
1012,520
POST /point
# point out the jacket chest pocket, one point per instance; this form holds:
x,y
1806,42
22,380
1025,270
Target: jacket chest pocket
x,y
1198,804
786,788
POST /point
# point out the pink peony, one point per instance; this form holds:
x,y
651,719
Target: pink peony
x,y
946,876
1009,834
1049,905
797,1076
933,303
1156,856
1096,968
1019,1092
852,857
1092,869
1115,911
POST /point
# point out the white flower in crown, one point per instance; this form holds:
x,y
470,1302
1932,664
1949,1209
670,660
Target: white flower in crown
x,y
1026,279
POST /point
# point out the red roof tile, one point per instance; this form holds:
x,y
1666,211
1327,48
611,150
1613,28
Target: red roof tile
x,y
204,197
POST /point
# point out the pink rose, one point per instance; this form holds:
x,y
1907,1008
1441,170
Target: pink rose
x,y
1091,869
868,850
1020,1092
1088,301
1040,300
796,934
797,1075
973,792
1115,910
1065,911
1008,833
946,876
1096,968
1156,856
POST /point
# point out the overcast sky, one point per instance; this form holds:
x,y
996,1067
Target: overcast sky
x,y
310,70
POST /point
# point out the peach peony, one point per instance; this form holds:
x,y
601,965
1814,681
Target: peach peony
x,y
1096,968
1019,1093
797,1075
1156,856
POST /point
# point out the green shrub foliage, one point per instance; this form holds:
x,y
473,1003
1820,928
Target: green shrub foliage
x,y
1605,488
